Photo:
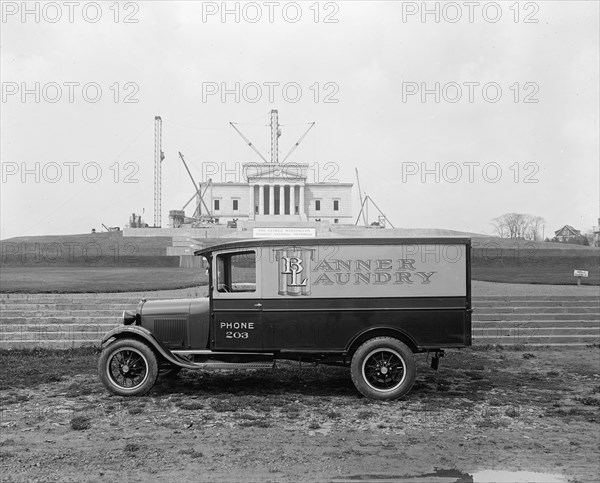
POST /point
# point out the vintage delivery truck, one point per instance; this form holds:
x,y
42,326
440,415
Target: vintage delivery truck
x,y
369,304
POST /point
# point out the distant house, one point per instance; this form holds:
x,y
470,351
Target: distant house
x,y
567,234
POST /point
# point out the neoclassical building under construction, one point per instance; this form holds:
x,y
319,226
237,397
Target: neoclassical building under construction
x,y
276,191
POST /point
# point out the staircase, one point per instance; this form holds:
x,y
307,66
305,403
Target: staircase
x,y
71,320
62,321
536,320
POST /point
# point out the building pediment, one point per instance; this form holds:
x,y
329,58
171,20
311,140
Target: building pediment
x,y
276,172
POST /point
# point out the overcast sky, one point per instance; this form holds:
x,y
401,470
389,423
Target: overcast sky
x,y
452,117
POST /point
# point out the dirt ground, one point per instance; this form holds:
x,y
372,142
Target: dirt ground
x,y
488,409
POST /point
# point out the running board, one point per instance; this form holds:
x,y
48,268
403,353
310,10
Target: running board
x,y
206,352
214,366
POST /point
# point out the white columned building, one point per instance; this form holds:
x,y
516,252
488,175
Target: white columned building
x,y
273,191
280,193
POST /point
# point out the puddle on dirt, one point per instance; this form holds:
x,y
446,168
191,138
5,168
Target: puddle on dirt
x,y
455,476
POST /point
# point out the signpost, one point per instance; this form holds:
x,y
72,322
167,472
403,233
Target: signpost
x,y
579,274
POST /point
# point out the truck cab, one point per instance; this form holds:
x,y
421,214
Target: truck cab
x,y
369,304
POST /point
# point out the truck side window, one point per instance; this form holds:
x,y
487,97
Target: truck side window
x,y
236,272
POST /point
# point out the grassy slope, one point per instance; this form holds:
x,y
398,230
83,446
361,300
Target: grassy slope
x,y
502,260
99,262
109,262
97,279
87,250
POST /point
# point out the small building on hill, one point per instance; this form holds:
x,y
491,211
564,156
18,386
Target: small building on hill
x,y
567,234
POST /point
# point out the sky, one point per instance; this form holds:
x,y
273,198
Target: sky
x,y
452,113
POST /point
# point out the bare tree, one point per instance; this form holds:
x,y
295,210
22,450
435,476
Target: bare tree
x,y
518,225
536,224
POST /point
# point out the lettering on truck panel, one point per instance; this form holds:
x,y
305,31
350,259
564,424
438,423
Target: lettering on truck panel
x,y
237,325
377,278
341,272
236,330
423,271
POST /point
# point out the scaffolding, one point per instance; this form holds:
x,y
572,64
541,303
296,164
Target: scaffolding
x,y
158,159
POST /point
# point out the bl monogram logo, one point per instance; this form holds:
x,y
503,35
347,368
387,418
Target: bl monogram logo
x,y
294,270
293,266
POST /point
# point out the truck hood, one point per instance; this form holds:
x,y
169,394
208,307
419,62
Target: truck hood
x,y
166,307
174,307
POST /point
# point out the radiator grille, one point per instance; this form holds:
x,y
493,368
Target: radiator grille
x,y
171,331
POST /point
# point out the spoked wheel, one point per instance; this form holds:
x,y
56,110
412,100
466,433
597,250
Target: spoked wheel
x,y
383,368
128,368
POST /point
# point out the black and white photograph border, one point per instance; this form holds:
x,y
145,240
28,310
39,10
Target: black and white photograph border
x,y
213,214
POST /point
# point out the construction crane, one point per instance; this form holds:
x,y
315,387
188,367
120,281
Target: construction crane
x,y
159,156
248,142
364,209
275,134
360,197
111,228
199,194
298,142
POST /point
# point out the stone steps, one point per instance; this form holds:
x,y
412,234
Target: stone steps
x,y
47,344
68,306
42,314
114,319
7,315
534,316
90,333
70,320
531,331
576,309
534,298
27,304
537,339
27,324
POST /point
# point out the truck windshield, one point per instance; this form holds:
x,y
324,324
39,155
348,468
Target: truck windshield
x,y
236,272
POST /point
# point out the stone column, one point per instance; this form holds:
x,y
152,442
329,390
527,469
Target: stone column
x,y
281,199
271,200
292,199
261,200
251,202
301,201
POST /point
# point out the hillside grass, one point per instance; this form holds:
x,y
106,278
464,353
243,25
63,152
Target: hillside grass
x,y
97,279
535,264
108,249
109,262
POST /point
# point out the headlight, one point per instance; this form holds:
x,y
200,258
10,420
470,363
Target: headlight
x,y
129,317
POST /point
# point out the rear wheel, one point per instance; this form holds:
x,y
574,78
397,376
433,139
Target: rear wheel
x,y
383,368
128,367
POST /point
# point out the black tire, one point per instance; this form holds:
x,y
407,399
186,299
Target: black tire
x,y
128,367
383,368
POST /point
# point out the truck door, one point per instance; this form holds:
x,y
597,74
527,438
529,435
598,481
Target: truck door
x,y
236,297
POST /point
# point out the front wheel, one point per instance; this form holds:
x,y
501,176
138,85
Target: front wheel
x,y
128,367
383,368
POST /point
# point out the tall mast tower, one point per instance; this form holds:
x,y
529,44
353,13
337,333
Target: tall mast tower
x,y
275,133
158,158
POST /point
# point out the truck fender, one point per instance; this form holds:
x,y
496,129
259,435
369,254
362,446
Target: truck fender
x,y
382,331
140,333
